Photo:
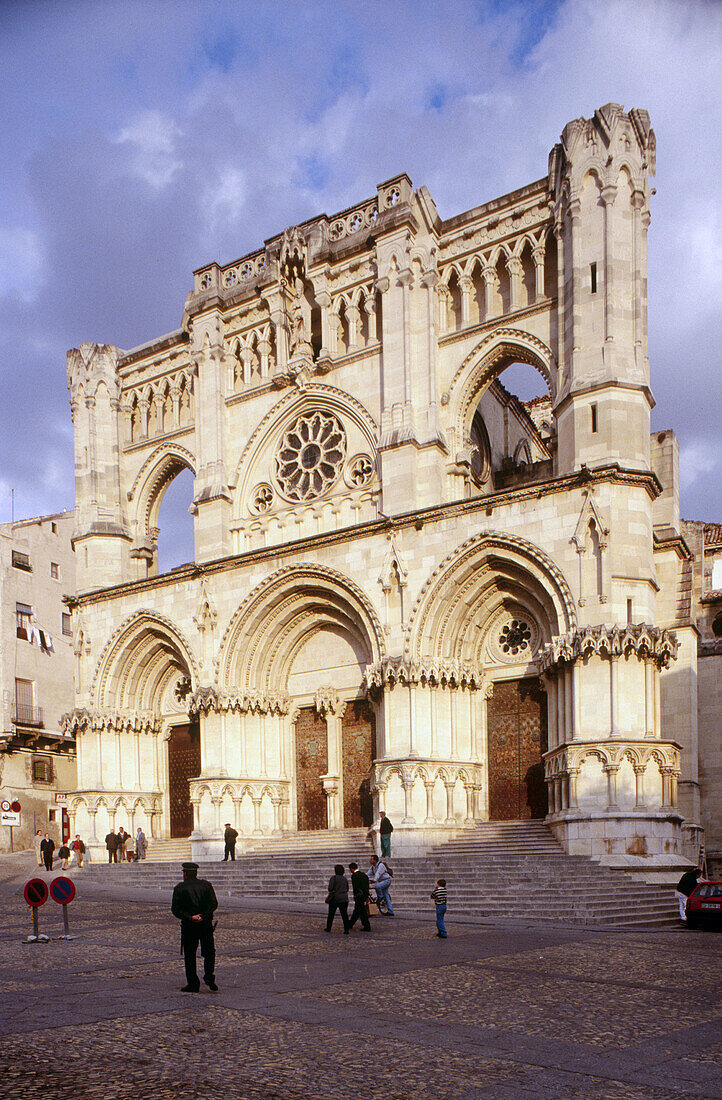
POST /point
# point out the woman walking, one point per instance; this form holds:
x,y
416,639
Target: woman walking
x,y
337,898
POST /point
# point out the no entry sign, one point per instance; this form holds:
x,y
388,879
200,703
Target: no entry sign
x,y
36,892
62,890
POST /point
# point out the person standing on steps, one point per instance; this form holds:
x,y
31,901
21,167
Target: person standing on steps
x,y
194,903
79,849
385,831
141,844
337,898
111,843
438,896
229,837
63,855
360,887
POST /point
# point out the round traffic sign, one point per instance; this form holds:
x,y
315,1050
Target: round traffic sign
x,y
15,806
36,892
5,805
62,890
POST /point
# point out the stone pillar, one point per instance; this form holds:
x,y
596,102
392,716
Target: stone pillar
x,y
614,696
639,770
515,269
648,699
611,771
538,255
489,276
408,818
469,792
429,820
257,817
609,194
465,286
573,774
449,788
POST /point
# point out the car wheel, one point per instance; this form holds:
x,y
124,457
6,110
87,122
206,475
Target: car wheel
x,y
692,922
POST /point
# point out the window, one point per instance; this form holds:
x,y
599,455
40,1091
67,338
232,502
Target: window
x,y
23,615
593,277
26,713
55,570
52,815
42,771
54,528
594,419
22,561
67,628
630,611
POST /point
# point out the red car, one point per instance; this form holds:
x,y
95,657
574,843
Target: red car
x,y
704,905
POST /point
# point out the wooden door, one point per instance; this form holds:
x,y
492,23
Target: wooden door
x,y
358,749
517,737
311,764
184,763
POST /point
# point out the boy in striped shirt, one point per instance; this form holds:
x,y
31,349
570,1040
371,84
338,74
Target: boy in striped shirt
x,y
439,896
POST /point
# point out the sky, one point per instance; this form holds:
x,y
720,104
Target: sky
x,y
140,139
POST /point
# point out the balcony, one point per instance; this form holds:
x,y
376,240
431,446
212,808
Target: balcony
x,y
27,715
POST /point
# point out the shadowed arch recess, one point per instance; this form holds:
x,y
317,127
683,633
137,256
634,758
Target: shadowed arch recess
x,y
144,656
276,620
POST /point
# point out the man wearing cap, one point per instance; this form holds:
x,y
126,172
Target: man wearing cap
x,y
194,903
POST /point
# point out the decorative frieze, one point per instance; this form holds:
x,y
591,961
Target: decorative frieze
x,y
81,720
426,671
648,642
207,699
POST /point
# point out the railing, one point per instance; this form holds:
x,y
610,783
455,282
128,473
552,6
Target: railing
x,y
27,715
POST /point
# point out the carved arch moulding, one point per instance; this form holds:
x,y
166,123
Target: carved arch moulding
x,y
316,397
291,581
134,626
485,362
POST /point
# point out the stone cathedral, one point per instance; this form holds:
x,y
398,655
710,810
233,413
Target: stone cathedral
x,y
412,591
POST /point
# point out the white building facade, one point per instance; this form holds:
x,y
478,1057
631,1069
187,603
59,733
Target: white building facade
x,y
411,591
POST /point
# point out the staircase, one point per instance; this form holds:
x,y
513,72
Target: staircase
x,y
169,851
495,870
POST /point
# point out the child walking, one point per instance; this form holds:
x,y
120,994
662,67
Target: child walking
x,y
439,896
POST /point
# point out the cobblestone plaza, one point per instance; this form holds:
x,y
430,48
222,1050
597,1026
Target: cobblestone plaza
x,y
502,1010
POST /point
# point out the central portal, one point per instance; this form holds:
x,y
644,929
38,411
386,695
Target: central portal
x,y
517,737
184,763
311,764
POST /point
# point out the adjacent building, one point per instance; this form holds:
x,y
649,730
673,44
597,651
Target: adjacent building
x,y
37,756
411,590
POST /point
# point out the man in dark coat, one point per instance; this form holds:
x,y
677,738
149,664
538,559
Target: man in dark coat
x,y
360,887
385,831
111,843
230,840
194,903
47,847
686,886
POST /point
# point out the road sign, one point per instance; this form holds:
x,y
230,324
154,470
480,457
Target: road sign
x,y
36,892
61,799
15,806
9,817
62,890
5,805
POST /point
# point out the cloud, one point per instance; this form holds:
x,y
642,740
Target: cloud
x,y
225,197
152,138
22,260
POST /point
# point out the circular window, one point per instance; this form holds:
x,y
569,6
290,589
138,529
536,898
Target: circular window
x,y
310,456
515,637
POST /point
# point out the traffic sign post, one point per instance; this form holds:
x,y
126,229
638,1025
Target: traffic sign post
x,y
36,894
62,890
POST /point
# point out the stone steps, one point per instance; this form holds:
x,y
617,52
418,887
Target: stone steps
x,y
514,870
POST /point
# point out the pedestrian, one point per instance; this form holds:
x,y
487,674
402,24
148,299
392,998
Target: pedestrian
x,y
337,898
37,841
385,831
141,844
63,855
111,843
79,849
438,896
686,885
47,847
122,841
194,903
229,838
380,878
360,887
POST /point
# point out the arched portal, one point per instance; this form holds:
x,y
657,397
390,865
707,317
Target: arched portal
x,y
305,636
143,682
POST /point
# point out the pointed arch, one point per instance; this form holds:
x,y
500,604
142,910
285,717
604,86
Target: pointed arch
x,y
274,621
153,478
138,662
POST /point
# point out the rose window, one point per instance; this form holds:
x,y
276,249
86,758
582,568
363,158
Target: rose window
x,y
310,456
515,637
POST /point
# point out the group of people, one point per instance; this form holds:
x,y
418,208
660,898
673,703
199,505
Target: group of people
x,y
45,849
122,846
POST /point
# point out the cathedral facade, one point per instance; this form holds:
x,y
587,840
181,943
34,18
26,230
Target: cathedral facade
x,y
411,591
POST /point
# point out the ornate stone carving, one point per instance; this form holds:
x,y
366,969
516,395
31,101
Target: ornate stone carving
x,y
310,456
400,670
649,642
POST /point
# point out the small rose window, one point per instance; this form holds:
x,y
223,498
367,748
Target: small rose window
x,y
310,456
515,637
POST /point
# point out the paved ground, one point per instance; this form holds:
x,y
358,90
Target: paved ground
x,y
494,1011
